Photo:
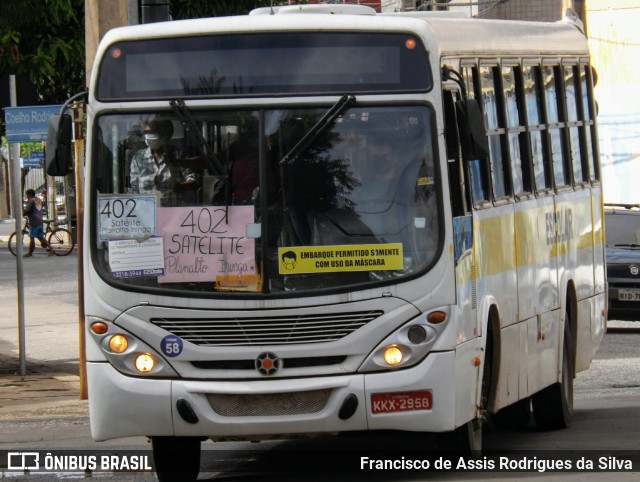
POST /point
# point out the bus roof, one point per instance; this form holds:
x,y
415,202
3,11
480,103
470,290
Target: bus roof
x,y
443,35
490,37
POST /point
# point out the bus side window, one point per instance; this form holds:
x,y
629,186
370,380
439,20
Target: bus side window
x,y
554,119
492,104
478,170
521,170
457,184
588,114
571,86
538,140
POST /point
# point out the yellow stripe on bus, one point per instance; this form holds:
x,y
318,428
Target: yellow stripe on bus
x,y
533,236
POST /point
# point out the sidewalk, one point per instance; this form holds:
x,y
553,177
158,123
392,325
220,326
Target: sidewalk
x,y
51,385
47,390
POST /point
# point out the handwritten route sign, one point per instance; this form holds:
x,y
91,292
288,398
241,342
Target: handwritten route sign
x,y
202,243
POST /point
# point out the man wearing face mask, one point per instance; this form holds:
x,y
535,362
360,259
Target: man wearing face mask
x,y
156,170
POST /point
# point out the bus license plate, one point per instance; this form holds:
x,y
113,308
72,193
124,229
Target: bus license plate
x,y
629,295
401,401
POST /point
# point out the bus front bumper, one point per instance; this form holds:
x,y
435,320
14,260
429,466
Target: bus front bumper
x,y
122,406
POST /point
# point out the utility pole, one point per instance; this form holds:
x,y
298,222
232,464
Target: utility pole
x,y
100,17
78,143
16,211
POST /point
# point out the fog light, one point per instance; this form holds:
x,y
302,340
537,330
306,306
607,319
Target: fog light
x,y
392,355
118,343
144,363
417,334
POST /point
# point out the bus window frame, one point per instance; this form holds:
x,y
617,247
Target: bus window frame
x,y
472,84
526,167
575,125
534,67
555,64
586,71
500,131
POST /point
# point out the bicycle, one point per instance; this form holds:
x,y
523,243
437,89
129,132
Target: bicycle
x,y
59,239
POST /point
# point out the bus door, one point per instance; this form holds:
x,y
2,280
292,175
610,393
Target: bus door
x,y
460,191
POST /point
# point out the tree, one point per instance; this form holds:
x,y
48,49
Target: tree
x,y
43,41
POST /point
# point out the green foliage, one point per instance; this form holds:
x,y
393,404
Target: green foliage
x,y
26,148
44,39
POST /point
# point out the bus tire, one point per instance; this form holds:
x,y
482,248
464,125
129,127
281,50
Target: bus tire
x,y
553,406
176,459
465,441
513,417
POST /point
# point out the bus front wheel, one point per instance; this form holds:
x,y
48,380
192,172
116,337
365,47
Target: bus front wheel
x,y
176,458
465,441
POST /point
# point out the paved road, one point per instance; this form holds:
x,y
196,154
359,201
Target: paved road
x,y
51,304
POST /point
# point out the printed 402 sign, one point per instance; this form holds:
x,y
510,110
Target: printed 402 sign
x,y
126,217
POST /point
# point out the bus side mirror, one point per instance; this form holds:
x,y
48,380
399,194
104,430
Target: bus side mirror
x,y
473,138
58,160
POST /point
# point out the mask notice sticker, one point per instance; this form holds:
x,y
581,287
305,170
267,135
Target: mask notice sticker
x,y
334,259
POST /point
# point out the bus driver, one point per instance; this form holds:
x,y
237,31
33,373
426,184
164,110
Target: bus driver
x,y
155,169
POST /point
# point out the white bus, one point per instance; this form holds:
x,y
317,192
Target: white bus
x,y
319,219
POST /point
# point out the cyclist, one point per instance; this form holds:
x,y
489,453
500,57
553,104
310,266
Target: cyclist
x,y
33,210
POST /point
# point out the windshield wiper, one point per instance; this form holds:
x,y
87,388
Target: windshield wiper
x,y
327,120
627,245
191,128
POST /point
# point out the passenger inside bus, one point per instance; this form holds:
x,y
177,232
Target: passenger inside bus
x,y
156,169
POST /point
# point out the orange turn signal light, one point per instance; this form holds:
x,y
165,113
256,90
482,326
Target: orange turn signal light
x,y
436,317
99,328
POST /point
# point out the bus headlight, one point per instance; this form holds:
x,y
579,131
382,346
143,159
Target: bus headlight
x,y
118,343
393,355
407,345
127,353
144,363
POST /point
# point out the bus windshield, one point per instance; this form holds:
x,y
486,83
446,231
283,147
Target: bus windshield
x,y
214,202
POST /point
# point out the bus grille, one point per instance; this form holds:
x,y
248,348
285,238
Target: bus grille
x,y
267,330
268,405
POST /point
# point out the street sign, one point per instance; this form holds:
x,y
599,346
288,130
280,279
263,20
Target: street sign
x,y
24,124
34,160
